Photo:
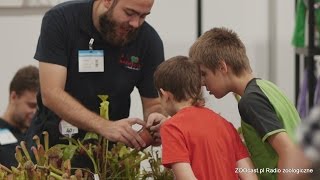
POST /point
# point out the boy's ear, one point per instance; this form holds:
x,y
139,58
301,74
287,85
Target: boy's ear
x,y
166,94
223,66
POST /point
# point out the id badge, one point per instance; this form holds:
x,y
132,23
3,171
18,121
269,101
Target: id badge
x,y
6,137
91,61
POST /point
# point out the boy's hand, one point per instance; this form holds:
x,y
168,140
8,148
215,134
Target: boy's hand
x,y
154,122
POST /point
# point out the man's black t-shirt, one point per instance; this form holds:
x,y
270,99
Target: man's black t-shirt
x,y
7,157
68,28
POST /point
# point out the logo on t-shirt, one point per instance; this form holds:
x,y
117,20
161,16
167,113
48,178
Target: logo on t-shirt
x,y
130,63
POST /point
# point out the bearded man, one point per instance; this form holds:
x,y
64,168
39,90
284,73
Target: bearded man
x,y
88,48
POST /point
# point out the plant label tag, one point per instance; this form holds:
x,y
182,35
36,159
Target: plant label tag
x,y
67,129
96,177
6,137
91,61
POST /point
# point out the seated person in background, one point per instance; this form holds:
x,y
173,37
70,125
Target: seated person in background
x,y
197,143
19,113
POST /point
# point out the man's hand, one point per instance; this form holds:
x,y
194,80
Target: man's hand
x,y
154,122
122,131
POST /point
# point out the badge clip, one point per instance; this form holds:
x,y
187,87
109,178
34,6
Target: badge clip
x,y
91,43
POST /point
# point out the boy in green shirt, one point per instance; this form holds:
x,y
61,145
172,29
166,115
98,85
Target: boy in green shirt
x,y
269,119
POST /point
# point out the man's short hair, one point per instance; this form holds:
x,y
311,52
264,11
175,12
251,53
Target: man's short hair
x,y
25,79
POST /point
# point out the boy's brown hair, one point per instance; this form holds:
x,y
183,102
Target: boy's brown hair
x,y
25,79
181,77
220,44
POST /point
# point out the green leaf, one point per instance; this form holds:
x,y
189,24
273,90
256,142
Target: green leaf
x,y
69,152
123,151
90,136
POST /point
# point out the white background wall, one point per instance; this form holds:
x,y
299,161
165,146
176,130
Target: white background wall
x,y
252,27
264,26
18,35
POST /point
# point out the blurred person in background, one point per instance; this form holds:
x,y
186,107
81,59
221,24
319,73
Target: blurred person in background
x,y
309,138
20,110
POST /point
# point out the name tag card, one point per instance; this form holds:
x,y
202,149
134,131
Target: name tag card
x,y
6,137
91,61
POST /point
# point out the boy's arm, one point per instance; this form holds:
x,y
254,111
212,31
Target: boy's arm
x,y
243,159
183,171
290,156
246,163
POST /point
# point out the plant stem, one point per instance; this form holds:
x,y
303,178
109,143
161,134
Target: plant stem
x,y
5,168
55,170
46,140
56,176
90,156
24,149
36,155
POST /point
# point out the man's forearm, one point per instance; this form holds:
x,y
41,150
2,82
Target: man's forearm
x,y
154,108
151,105
71,110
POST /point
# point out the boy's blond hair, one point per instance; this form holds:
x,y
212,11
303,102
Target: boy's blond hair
x,y
220,44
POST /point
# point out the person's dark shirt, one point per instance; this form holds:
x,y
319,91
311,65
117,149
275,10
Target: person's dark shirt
x,y
68,28
7,152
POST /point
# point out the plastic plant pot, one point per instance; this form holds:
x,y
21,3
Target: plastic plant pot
x,y
146,136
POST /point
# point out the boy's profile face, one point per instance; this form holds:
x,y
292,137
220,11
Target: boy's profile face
x,y
214,82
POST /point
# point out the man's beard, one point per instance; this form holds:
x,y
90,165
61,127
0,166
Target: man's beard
x,y
109,28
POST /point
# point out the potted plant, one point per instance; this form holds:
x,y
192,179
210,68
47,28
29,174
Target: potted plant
x,y
120,162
